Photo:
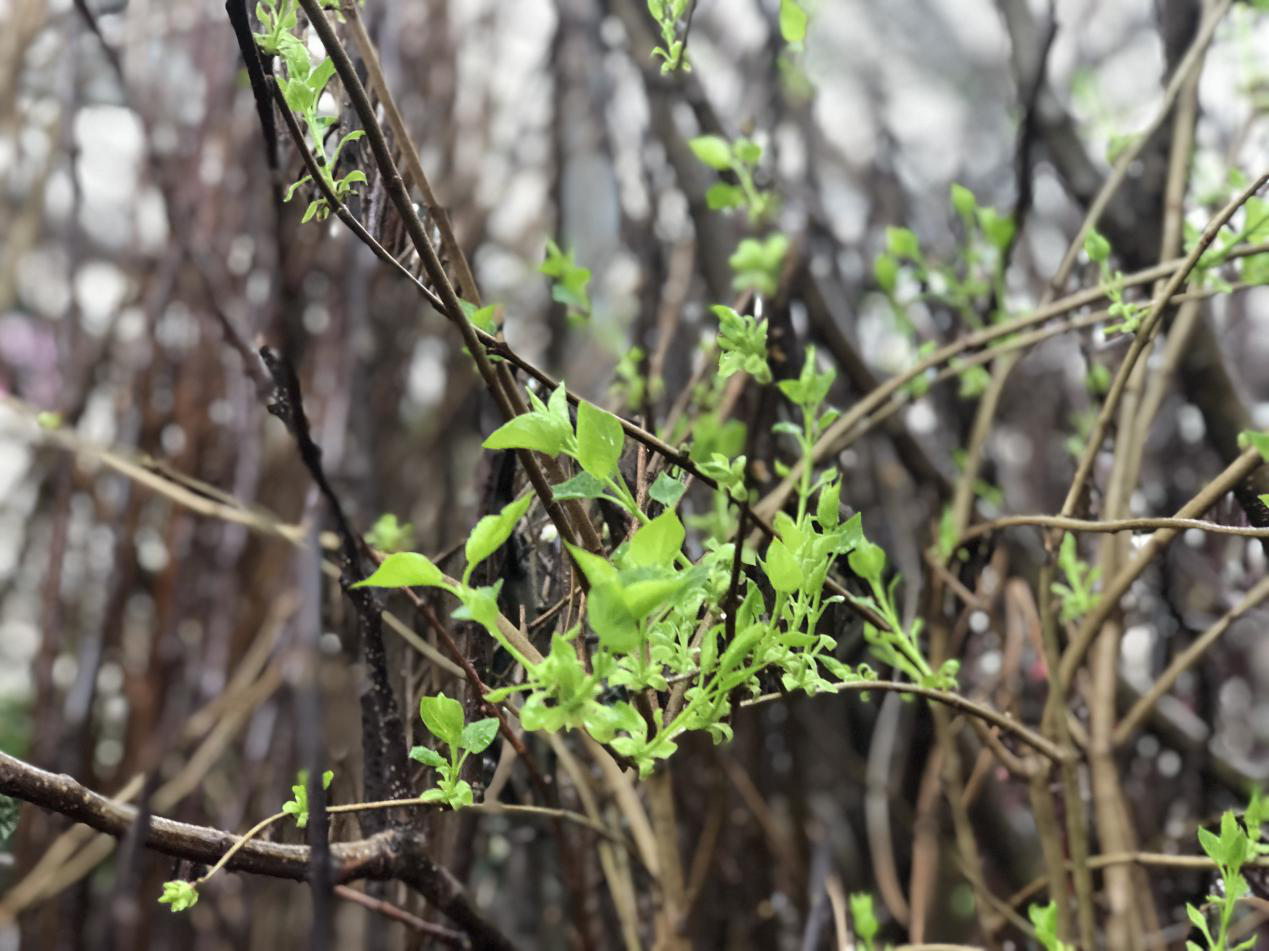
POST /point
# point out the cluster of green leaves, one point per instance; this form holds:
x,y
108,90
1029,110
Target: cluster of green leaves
x,y
631,386
968,284
302,83
443,717
672,52
1044,918
388,534
569,282
180,894
477,604
1238,844
739,159
1128,313
652,612
863,921
742,344
1076,596
1250,226
756,263
297,805
965,284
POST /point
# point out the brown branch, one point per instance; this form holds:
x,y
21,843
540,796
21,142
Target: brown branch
x,y
391,855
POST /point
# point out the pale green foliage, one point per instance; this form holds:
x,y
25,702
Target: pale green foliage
x,y
793,22
1076,595
740,158
756,264
672,53
302,83
297,805
1237,844
569,281
1045,920
389,534
971,284
1128,313
181,895
742,340
443,717
863,920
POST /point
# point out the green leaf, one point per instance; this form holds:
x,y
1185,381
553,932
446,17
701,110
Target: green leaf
x,y
598,571
722,197
581,486
492,530
656,543
406,569
756,264
479,734
903,244
868,561
828,511
427,756
600,439
792,22
541,432
312,209
712,151
443,717
611,619
998,228
667,490
747,151
1255,440
965,204
783,570
290,192
886,271
1096,247
180,895
1255,269
863,917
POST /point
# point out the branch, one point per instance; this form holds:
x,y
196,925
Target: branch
x,y
386,856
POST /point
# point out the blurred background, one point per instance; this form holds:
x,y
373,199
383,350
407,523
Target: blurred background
x,y
143,257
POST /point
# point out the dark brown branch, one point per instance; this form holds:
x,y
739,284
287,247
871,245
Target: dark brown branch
x,y
395,854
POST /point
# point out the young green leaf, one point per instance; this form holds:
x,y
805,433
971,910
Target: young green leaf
x,y
179,894
492,530
667,490
443,717
656,543
903,244
868,561
541,432
405,569
792,22
1096,247
713,151
478,734
600,439
783,570
581,486
427,756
